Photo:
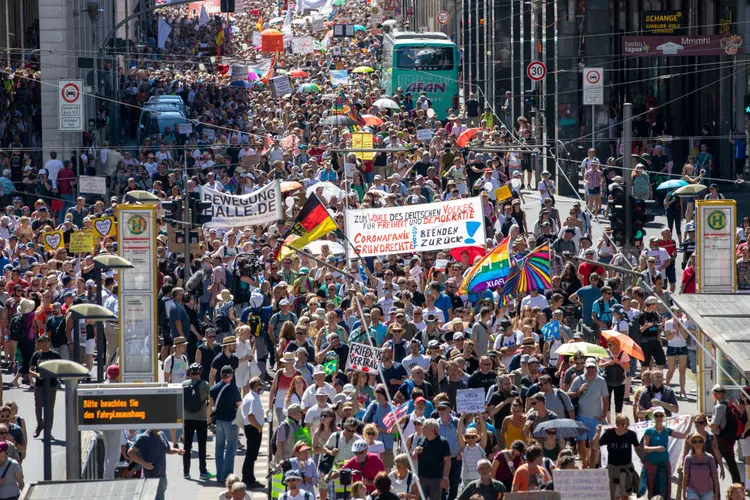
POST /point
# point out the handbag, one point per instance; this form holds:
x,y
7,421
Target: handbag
x,y
326,462
216,404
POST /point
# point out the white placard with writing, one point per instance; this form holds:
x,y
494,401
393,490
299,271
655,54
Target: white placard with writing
x,y
587,484
470,400
256,208
257,39
93,185
317,24
424,134
185,128
303,45
281,85
363,358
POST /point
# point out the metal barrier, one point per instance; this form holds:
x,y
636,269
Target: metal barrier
x,y
92,464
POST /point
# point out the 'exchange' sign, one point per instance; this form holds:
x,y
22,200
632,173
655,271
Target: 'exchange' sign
x,y
662,22
130,407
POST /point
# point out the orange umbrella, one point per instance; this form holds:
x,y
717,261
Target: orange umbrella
x,y
372,120
272,40
289,186
626,344
466,136
298,73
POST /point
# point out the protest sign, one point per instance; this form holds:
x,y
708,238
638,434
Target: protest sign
x,y
257,208
185,128
239,71
363,358
250,161
470,400
81,242
52,240
210,133
363,140
424,134
104,226
416,228
339,77
257,39
91,184
503,193
281,85
586,484
303,45
318,24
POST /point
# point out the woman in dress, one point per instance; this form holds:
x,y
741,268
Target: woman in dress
x,y
656,466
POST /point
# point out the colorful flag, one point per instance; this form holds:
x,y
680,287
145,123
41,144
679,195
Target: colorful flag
x,y
259,25
312,223
271,70
533,273
338,104
330,366
551,331
389,421
489,272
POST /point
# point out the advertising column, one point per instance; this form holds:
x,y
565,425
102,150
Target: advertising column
x,y
137,318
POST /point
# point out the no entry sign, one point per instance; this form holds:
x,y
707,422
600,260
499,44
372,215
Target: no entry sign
x,y
70,106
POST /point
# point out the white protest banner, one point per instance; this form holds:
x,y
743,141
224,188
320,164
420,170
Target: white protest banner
x,y
210,133
339,77
679,423
416,228
318,24
185,128
586,484
256,208
424,134
470,400
93,185
239,71
281,85
363,358
303,45
257,39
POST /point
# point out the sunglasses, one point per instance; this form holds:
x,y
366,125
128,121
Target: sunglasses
x,y
697,441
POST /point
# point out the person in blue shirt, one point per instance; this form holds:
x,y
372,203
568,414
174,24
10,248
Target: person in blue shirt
x,y
739,145
601,310
656,445
585,298
442,301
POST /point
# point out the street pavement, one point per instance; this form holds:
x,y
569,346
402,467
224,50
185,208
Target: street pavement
x,y
180,488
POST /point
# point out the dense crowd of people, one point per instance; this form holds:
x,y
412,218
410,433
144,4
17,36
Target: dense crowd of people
x,y
397,433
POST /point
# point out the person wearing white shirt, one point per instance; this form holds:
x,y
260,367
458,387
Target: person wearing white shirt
x,y
319,382
415,358
53,167
312,417
253,419
534,300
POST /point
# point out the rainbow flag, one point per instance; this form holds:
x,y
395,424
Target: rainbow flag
x,y
489,272
338,104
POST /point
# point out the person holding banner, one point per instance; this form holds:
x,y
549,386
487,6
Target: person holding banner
x,y
657,470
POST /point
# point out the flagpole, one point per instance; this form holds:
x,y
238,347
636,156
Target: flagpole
x,y
321,262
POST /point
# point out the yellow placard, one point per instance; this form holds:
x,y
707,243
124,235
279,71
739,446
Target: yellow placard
x,y
104,226
81,242
52,240
363,140
503,193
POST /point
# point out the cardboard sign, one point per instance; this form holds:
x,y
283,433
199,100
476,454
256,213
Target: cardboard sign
x,y
503,193
363,358
339,77
425,134
303,45
93,185
281,85
185,128
52,240
440,264
81,242
470,400
104,226
587,484
317,24
250,161
363,140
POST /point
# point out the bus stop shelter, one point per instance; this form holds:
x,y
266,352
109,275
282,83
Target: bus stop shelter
x,y
723,322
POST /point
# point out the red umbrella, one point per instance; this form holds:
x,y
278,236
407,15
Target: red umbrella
x,y
372,120
298,73
473,252
466,136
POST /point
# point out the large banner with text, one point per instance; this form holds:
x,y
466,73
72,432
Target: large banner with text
x,y
257,208
416,228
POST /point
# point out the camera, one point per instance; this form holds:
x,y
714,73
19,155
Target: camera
x,y
345,477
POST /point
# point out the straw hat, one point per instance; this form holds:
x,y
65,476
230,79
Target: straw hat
x,y
229,340
26,306
226,295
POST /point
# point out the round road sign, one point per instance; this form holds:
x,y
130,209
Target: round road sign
x,y
536,71
593,76
71,93
443,17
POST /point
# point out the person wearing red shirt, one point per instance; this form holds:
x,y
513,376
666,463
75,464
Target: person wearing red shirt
x,y
667,243
688,276
365,465
586,268
66,180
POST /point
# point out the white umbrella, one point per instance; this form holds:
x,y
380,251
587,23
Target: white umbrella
x,y
334,247
329,190
386,103
390,23
299,22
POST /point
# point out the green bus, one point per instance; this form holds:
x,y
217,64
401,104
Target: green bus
x,y
422,62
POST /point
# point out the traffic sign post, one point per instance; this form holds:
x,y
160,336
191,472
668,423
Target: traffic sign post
x,y
70,105
536,71
593,94
442,18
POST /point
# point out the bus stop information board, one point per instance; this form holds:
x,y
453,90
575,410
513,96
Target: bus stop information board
x,y
130,407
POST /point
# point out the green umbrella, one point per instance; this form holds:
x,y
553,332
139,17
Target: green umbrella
x,y
339,2
282,71
588,350
363,69
310,88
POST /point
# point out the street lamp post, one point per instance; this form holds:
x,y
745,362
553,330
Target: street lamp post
x,y
101,263
71,372
89,312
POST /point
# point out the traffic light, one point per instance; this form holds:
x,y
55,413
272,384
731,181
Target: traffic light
x,y
197,208
172,211
747,104
530,98
227,5
640,218
617,217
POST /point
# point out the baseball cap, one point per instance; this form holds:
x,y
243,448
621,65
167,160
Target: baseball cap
x,y
590,362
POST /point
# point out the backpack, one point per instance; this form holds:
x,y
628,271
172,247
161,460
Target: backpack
x,y
255,323
275,436
735,422
192,397
59,338
614,375
16,328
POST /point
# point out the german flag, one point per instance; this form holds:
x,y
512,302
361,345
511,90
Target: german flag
x,y
312,223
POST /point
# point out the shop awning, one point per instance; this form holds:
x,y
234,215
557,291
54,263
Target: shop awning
x,y
725,320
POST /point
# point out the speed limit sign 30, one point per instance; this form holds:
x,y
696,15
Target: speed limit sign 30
x,y
536,71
